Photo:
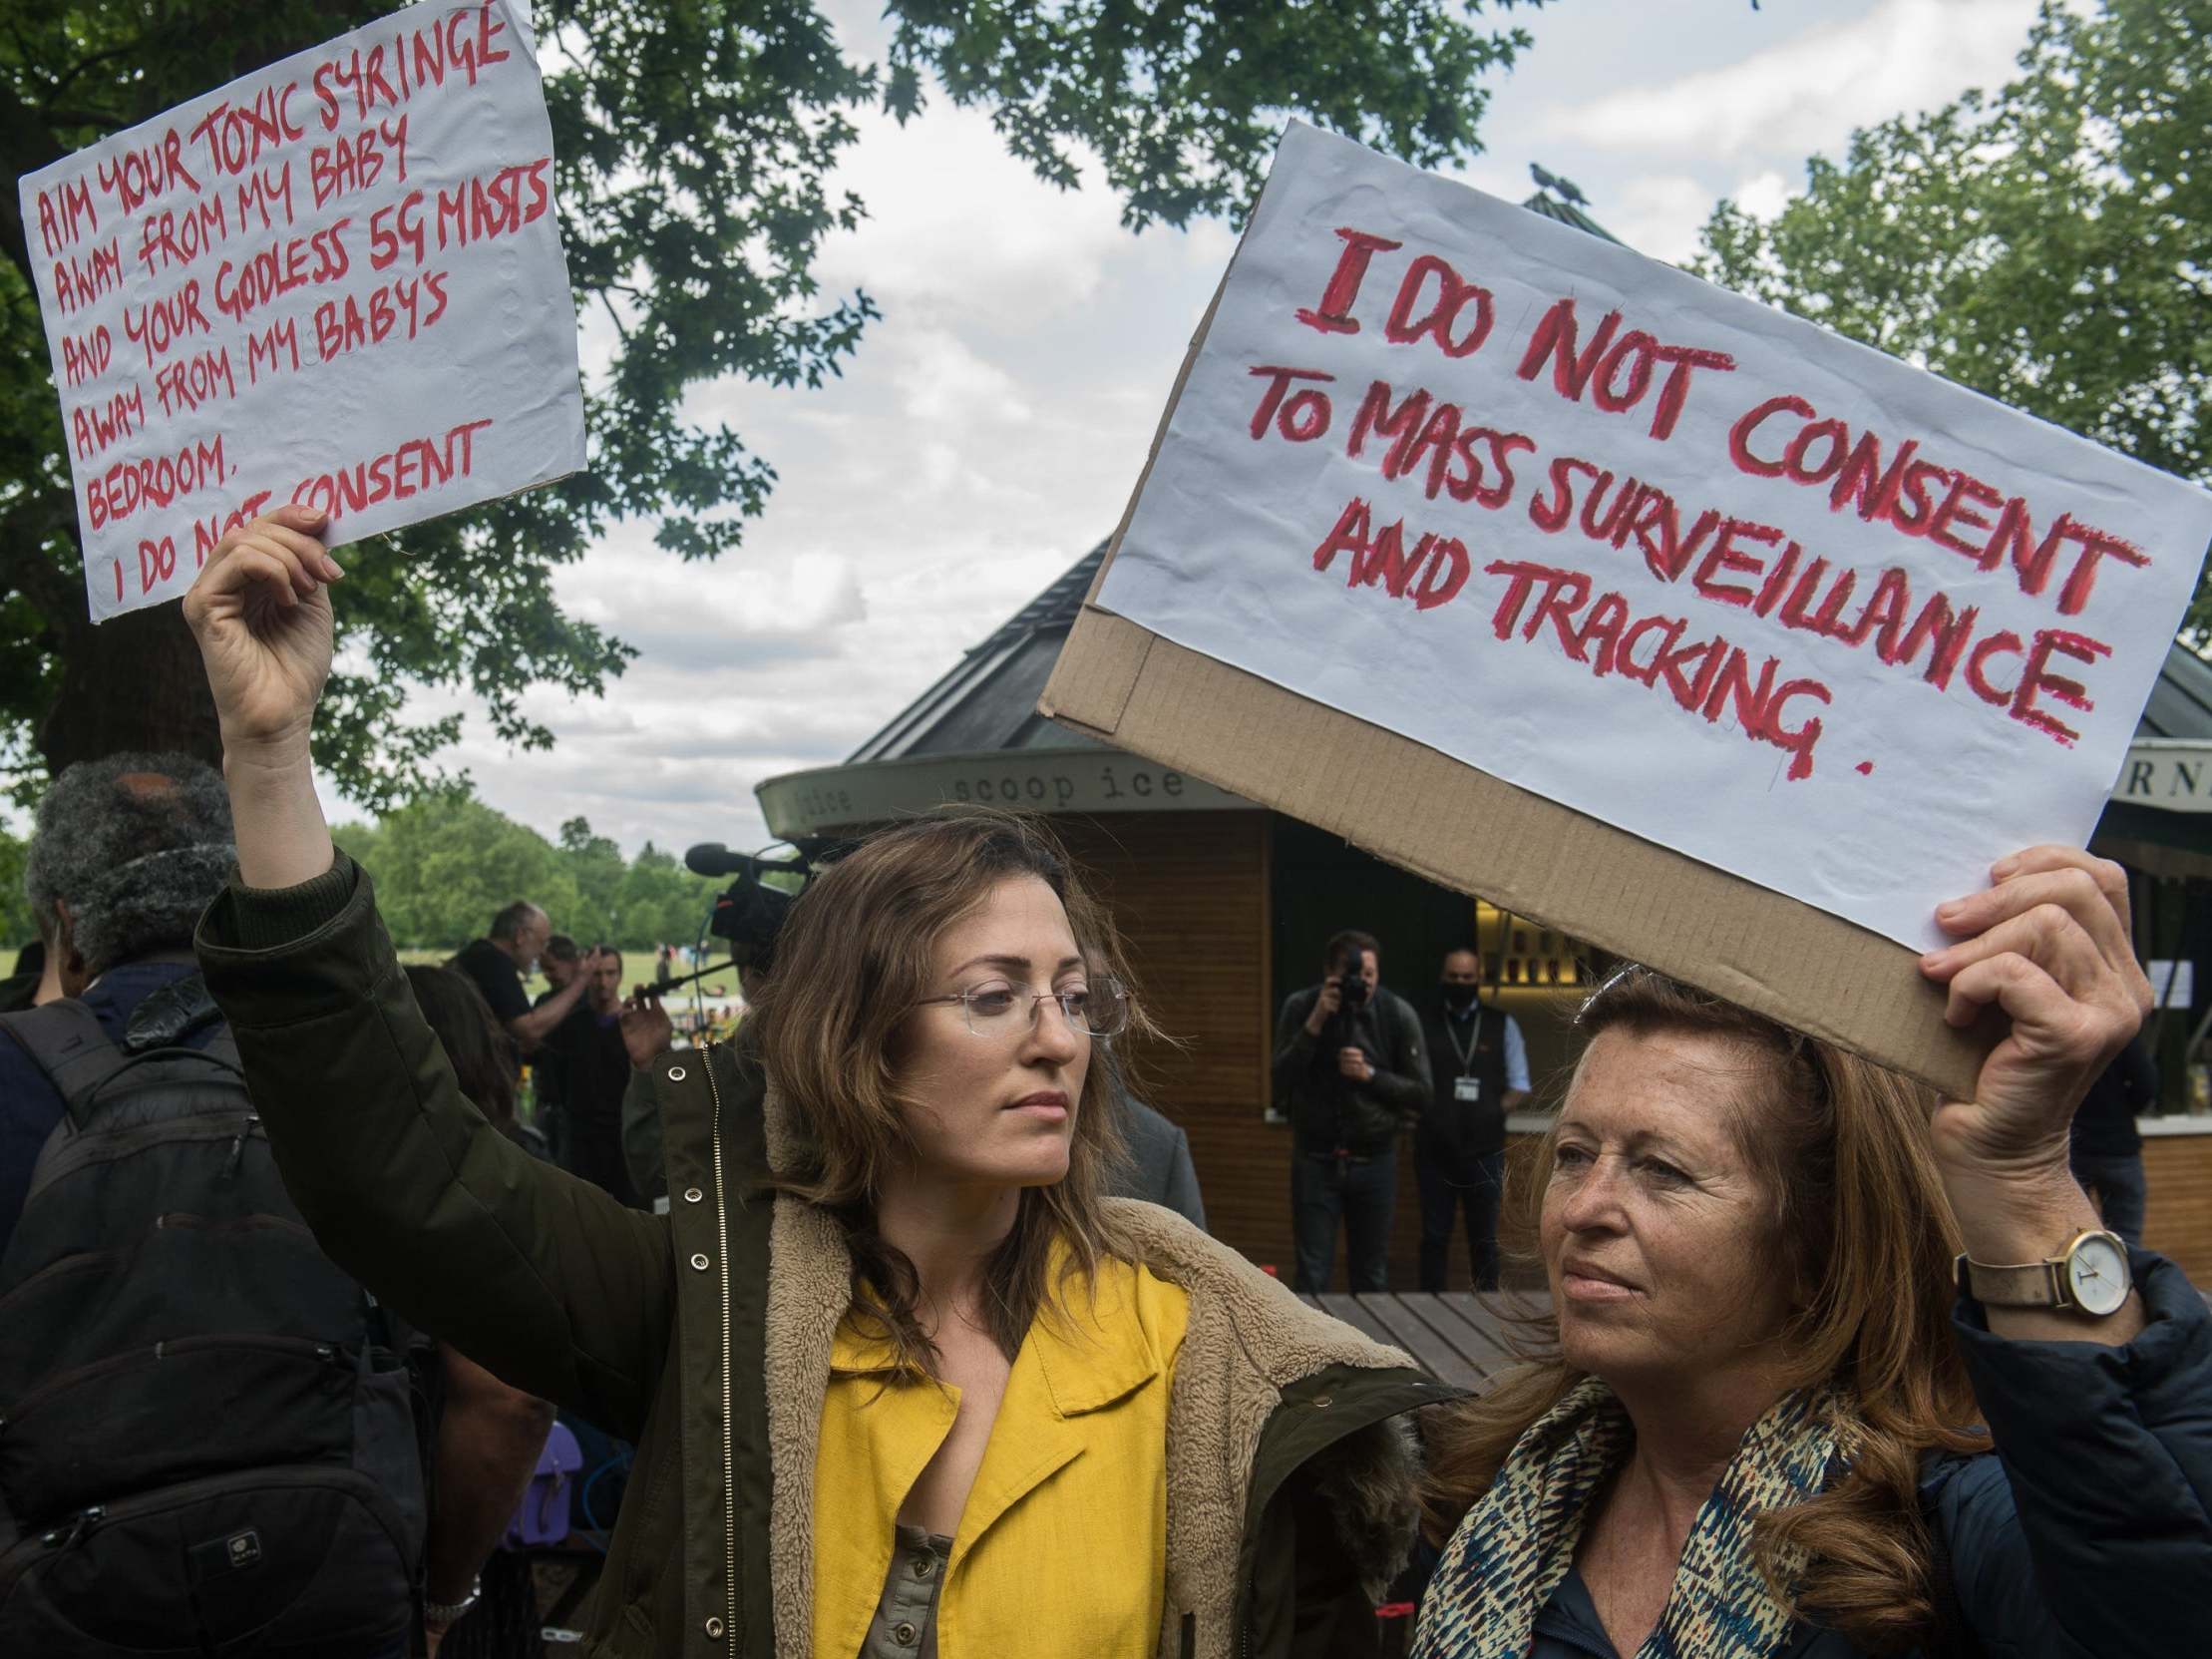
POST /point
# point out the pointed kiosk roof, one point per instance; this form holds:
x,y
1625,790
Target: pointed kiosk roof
x,y
987,701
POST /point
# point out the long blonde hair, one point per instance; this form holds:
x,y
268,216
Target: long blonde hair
x,y
852,961
1868,1240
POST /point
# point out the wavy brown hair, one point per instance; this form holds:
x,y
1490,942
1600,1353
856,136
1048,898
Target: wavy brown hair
x,y
1867,1238
852,961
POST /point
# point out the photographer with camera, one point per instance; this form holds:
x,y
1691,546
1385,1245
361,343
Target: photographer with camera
x,y
1349,1072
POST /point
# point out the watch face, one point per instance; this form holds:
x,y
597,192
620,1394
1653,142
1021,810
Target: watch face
x,y
2097,1274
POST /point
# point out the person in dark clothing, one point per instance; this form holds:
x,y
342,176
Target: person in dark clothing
x,y
1480,1069
562,962
1348,1067
594,1071
498,964
1159,1169
125,854
2106,1150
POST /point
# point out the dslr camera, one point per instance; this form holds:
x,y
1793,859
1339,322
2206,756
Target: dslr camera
x,y
1352,987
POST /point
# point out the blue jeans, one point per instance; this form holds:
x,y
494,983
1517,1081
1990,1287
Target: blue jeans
x,y
2121,1193
1447,1184
1362,1192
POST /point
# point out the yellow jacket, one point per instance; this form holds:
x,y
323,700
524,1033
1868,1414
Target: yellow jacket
x,y
1062,1546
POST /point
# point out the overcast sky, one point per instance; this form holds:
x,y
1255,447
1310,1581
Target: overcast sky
x,y
989,428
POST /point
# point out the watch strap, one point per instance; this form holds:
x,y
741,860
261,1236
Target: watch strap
x,y
2043,1284
2022,1285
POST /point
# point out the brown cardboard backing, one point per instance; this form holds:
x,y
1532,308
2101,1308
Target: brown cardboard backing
x,y
1464,829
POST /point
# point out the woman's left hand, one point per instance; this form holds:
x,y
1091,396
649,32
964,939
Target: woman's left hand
x,y
2049,942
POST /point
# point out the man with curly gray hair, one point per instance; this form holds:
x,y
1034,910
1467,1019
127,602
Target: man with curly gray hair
x,y
125,855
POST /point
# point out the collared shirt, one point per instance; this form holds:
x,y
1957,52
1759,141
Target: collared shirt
x,y
1068,1514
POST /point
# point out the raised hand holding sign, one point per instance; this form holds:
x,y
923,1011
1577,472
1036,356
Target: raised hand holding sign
x,y
1560,576
365,227
260,610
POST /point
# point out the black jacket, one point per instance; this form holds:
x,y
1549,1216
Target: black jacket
x,y
1328,1110
2104,1128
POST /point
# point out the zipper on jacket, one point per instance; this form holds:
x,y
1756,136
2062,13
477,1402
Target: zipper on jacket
x,y
729,1427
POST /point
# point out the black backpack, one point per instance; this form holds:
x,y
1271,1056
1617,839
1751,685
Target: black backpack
x,y
208,1444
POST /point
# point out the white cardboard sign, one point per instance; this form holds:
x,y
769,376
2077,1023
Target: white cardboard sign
x,y
337,281
1653,551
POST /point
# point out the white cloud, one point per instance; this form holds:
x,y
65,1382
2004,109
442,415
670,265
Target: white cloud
x,y
955,224
1805,92
1659,214
1763,195
943,383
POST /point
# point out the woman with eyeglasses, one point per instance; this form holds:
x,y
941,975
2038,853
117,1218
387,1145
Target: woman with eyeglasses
x,y
1834,1368
903,1382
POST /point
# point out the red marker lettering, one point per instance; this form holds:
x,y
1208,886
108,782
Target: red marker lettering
x,y
1334,314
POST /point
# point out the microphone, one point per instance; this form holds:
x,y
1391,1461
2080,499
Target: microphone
x,y
711,858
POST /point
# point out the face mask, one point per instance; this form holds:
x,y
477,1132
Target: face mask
x,y
1459,997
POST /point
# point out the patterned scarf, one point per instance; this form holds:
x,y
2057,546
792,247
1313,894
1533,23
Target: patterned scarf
x,y
1516,1545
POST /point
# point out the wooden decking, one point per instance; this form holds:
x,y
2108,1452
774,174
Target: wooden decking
x,y
1458,1338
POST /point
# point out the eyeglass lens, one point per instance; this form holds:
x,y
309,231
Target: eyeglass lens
x,y
997,1007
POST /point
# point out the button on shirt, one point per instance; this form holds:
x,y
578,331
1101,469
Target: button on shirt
x,y
906,1624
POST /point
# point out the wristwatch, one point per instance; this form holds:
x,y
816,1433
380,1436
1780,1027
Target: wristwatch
x,y
446,1614
2089,1276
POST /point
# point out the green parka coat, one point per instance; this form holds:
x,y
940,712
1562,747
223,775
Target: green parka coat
x,y
703,1335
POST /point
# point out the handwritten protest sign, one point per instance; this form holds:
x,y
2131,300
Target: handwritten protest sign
x,y
1684,564
338,281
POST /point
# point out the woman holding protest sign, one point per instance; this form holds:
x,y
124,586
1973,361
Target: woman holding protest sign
x,y
1790,1289
902,1380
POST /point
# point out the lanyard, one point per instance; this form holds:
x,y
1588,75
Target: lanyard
x,y
1474,1037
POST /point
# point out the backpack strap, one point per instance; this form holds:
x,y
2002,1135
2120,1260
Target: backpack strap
x,y
65,1041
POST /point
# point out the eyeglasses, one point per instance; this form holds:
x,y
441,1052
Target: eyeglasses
x,y
1003,1009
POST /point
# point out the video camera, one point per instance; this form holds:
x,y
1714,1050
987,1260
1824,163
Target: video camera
x,y
749,913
